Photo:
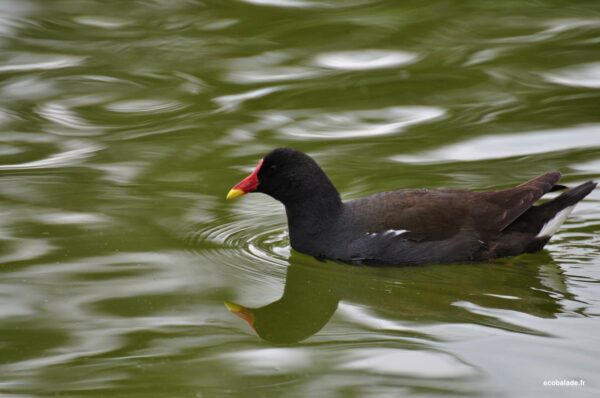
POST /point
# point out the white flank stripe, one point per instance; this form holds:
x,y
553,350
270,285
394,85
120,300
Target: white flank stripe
x,y
394,232
554,223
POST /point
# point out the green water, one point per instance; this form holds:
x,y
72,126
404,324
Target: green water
x,y
123,124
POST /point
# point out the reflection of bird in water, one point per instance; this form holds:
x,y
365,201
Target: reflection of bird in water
x,y
445,294
305,307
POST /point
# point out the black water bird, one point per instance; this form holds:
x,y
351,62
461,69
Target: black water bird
x,y
409,226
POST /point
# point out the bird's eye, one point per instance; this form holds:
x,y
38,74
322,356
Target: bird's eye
x,y
273,167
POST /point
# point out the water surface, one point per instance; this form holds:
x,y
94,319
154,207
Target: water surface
x,y
124,124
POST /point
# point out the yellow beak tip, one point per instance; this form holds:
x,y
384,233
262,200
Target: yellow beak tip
x,y
233,307
234,193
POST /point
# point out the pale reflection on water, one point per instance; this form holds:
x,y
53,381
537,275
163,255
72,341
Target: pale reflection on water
x,y
29,63
364,59
586,75
586,137
310,124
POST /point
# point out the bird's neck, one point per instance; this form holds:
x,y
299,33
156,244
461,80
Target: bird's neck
x,y
310,218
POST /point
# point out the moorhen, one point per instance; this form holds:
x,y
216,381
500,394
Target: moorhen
x,y
409,226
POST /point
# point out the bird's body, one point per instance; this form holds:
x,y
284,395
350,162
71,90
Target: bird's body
x,y
408,227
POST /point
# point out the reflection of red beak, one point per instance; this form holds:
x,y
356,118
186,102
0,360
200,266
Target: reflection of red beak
x,y
248,184
241,311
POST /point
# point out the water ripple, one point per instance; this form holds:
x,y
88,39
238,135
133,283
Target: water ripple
x,y
342,125
229,103
269,67
67,158
264,361
144,106
307,4
511,145
364,59
101,22
251,241
28,88
90,329
24,249
273,74
553,29
398,362
29,63
63,115
285,3
241,240
584,75
87,220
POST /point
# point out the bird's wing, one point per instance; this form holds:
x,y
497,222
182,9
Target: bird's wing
x,y
396,248
438,215
501,208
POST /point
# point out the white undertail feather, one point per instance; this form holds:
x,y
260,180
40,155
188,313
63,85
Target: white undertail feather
x,y
554,223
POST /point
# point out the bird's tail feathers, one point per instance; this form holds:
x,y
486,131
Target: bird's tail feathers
x,y
555,212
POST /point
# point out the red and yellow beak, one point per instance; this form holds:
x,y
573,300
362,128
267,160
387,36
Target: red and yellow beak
x,y
248,184
242,312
